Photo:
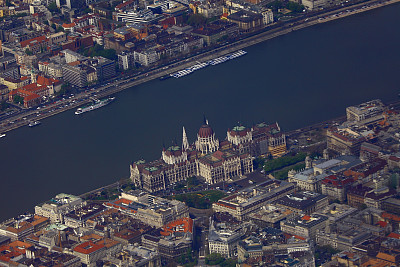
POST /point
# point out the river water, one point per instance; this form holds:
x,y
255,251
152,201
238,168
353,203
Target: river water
x,y
297,79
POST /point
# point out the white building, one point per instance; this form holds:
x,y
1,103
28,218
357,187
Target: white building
x,y
142,16
126,60
268,16
57,207
71,56
146,57
222,239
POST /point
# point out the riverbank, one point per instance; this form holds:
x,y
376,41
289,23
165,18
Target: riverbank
x,y
83,98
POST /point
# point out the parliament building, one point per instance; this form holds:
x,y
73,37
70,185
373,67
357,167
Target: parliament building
x,y
209,158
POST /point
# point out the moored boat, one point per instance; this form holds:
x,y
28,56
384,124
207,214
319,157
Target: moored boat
x,y
95,105
33,124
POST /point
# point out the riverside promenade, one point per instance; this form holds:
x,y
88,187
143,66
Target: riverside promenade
x,y
270,32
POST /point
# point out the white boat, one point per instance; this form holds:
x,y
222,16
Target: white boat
x,y
97,104
211,62
33,124
2,135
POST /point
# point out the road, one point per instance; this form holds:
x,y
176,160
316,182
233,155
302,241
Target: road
x,y
19,119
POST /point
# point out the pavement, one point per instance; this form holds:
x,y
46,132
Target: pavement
x,y
72,102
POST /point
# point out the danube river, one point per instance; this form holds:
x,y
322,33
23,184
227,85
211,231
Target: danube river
x,y
297,79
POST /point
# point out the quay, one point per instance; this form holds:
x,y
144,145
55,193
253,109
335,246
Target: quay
x,y
117,86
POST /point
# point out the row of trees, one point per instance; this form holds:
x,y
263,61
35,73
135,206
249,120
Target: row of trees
x,y
279,163
218,259
98,50
292,6
283,173
200,200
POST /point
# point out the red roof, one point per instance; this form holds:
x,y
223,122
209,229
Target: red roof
x,y
31,97
70,25
394,235
122,5
88,247
123,201
391,216
180,225
382,223
46,81
295,236
35,40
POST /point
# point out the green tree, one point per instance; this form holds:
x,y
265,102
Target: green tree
x,y
279,163
275,5
54,26
228,263
394,180
192,182
28,52
258,163
60,29
214,259
18,100
52,7
65,88
295,7
196,20
3,105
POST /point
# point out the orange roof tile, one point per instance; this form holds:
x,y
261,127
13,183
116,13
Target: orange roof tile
x,y
386,257
70,25
391,216
180,225
39,39
88,247
31,97
394,235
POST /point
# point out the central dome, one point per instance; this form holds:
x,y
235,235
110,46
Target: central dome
x,y
205,131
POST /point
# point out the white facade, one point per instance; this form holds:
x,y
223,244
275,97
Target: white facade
x,y
56,208
268,16
146,58
126,60
50,69
71,56
314,4
135,17
238,139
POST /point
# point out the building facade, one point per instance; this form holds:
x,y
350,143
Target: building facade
x,y
205,158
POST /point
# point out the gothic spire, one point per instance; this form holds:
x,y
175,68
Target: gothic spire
x,y
185,143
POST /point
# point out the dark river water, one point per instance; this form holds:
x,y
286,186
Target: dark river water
x,y
297,79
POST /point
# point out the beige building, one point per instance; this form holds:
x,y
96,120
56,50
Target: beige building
x,y
305,226
241,204
152,210
90,252
344,141
310,179
57,207
365,110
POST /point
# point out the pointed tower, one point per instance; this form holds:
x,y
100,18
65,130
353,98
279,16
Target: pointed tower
x,y
308,162
33,77
185,143
326,154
